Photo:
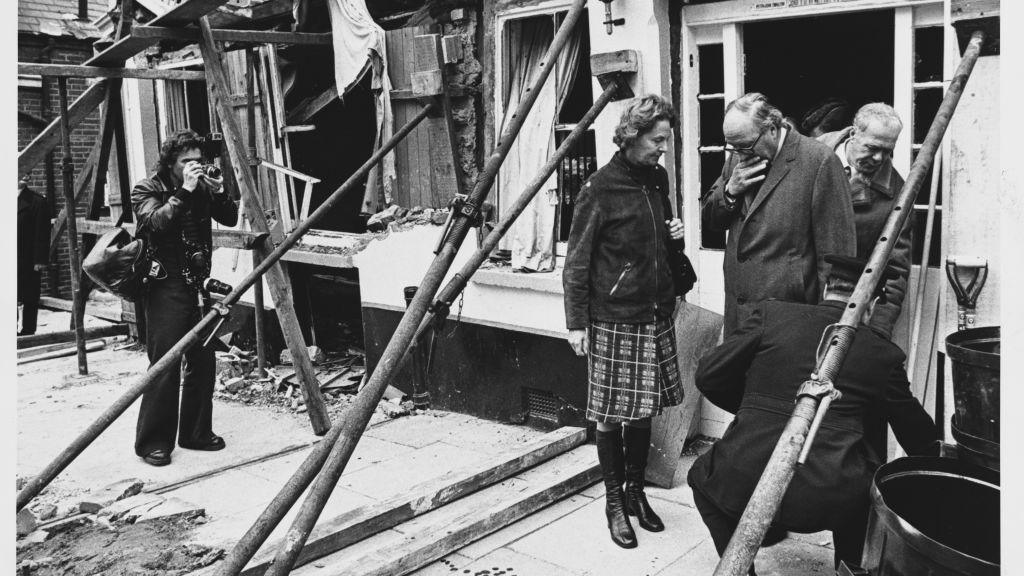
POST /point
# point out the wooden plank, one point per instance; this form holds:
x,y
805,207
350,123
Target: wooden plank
x,y
332,535
69,335
277,278
452,527
182,14
82,181
48,139
222,237
611,62
242,36
327,259
310,106
445,171
396,70
103,313
697,331
75,71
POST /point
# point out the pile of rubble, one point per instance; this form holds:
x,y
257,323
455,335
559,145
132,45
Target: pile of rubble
x,y
147,528
399,216
341,375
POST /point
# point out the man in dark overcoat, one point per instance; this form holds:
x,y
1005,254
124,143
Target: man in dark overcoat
x,y
33,252
865,151
784,200
755,374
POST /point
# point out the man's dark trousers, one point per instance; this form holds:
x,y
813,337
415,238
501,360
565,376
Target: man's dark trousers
x,y
28,294
171,311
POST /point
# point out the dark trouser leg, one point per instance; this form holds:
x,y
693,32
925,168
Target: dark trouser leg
x,y
719,524
611,458
171,311
849,539
196,422
637,441
28,295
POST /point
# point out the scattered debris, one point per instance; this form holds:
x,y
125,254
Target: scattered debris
x,y
316,355
47,512
119,490
172,509
36,537
396,409
27,522
379,221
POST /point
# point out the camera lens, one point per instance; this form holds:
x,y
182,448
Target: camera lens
x,y
215,286
212,171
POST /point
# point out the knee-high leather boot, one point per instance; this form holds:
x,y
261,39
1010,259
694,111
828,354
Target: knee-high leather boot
x,y
609,454
637,441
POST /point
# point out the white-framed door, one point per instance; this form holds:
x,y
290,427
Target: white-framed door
x,y
713,35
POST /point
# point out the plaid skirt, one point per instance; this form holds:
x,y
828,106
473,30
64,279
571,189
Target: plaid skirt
x,y
632,371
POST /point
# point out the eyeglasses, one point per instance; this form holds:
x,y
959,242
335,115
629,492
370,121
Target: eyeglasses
x,y
746,150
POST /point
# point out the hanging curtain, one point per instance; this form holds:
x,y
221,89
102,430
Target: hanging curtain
x,y
175,109
359,48
533,234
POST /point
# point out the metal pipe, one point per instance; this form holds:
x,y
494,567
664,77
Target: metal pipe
x,y
41,480
767,496
67,178
356,417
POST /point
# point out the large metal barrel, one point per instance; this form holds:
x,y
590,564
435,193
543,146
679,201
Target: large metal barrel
x,y
933,517
975,355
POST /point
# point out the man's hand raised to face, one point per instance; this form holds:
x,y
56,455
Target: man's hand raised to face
x,y
750,171
191,175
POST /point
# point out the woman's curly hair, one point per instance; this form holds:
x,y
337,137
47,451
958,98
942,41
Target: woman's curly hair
x,y
639,116
177,143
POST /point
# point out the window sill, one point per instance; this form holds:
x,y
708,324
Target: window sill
x,y
504,277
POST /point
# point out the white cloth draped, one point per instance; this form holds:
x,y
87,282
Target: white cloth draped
x,y
359,41
533,234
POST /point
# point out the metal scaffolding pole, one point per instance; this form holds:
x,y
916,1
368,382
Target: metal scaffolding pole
x,y
346,432
195,335
815,395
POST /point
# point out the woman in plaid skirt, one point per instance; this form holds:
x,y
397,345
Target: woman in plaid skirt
x,y
621,281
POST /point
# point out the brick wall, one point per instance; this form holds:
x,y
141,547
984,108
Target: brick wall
x,y
31,48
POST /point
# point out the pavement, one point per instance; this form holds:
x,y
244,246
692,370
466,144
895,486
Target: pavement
x,y
266,444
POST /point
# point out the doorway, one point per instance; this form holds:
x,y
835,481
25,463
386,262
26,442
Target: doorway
x,y
800,62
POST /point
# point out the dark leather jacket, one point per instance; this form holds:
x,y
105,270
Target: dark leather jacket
x,y
162,211
618,268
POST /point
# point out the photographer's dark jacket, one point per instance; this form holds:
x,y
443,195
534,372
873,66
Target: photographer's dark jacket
x,y
619,268
163,213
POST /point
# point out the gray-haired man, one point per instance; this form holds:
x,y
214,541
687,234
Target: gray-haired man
x,y
865,150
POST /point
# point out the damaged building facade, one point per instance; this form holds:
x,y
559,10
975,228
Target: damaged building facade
x,y
502,353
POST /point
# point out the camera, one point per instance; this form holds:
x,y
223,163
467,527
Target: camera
x,y
211,171
214,286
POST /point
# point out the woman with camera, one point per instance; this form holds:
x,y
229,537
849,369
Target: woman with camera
x,y
173,210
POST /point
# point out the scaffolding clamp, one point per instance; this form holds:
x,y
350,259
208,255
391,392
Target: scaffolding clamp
x,y
826,392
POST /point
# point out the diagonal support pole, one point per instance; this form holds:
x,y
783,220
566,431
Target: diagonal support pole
x,y
277,278
767,496
173,356
354,420
48,139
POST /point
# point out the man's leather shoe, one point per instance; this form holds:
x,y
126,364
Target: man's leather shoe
x,y
158,458
212,444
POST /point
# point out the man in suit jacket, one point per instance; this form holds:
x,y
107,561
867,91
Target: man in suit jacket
x,y
783,198
865,151
33,252
756,373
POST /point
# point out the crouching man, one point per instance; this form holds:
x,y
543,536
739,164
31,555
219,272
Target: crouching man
x,y
755,374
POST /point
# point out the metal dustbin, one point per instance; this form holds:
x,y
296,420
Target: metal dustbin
x,y
933,517
974,356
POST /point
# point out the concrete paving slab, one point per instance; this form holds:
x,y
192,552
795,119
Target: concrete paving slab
x,y
392,476
536,521
700,560
368,452
44,398
420,430
450,565
505,562
579,542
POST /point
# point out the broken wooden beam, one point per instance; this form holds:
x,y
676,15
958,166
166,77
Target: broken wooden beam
x,y
239,36
69,350
48,139
222,238
309,107
69,335
75,71
185,13
361,523
277,278
449,528
52,303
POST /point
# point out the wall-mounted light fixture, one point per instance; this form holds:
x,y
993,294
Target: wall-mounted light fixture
x,y
609,22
